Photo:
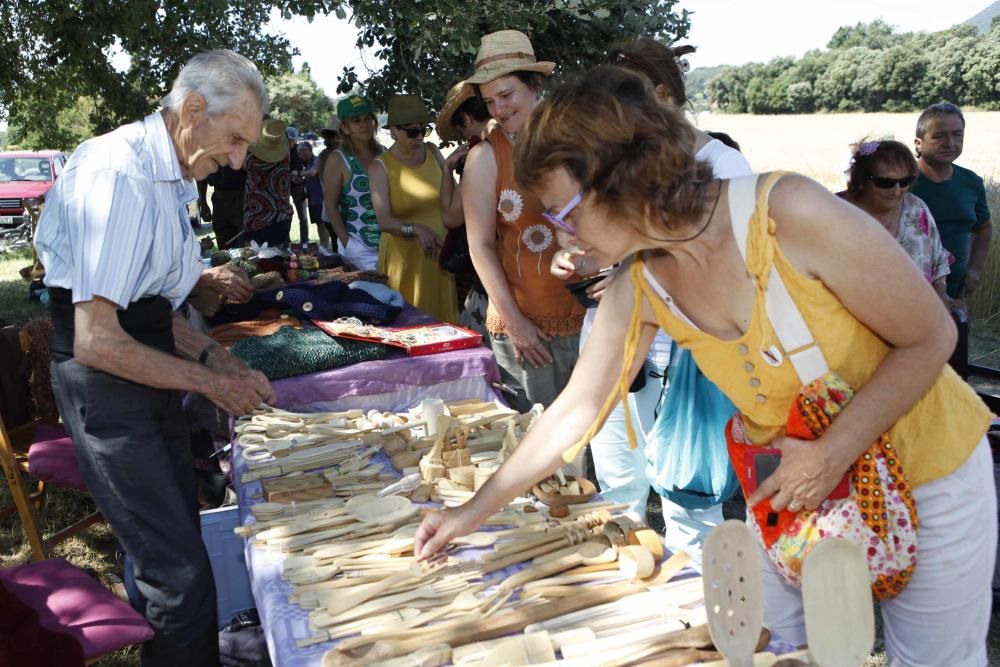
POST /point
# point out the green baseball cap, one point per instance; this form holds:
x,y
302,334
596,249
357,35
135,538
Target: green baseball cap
x,y
353,105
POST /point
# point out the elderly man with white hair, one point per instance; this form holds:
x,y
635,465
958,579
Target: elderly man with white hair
x,y
121,258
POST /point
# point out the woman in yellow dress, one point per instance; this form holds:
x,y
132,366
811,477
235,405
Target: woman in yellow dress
x,y
406,194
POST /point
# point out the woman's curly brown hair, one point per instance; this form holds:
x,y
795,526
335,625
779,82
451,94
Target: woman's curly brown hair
x,y
633,154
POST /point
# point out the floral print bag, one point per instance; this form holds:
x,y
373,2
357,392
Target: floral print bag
x,y
879,515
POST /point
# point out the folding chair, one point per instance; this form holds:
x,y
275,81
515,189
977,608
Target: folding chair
x,y
45,452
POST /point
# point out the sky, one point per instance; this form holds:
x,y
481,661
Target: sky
x,y
726,32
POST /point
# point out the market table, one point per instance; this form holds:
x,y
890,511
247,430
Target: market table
x,y
404,383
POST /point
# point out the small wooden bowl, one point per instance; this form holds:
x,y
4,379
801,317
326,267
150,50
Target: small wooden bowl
x,y
587,488
647,537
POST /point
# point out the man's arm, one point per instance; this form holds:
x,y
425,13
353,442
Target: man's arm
x,y
101,343
979,250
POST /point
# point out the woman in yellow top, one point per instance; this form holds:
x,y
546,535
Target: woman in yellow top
x,y
406,195
618,172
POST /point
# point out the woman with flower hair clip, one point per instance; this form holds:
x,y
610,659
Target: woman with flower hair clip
x,y
879,181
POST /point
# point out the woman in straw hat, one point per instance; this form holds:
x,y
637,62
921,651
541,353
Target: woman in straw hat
x,y
267,211
347,200
533,323
406,195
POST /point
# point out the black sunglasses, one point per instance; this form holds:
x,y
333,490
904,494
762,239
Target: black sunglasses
x,y
888,183
414,132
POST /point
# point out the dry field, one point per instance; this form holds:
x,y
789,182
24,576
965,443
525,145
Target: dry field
x,y
818,145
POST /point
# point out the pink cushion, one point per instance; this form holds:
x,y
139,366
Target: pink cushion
x,y
68,600
51,457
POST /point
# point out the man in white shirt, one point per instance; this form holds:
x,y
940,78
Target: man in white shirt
x,y
120,257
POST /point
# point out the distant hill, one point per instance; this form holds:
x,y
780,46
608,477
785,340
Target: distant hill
x,y
984,19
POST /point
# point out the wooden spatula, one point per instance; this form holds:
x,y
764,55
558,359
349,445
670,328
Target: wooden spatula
x,y
731,578
836,594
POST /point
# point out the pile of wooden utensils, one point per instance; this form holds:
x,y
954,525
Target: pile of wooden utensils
x,y
453,447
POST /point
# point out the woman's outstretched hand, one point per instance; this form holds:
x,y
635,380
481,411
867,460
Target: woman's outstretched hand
x,y
439,528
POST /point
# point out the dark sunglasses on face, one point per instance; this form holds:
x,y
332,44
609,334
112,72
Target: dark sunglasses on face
x,y
414,132
888,183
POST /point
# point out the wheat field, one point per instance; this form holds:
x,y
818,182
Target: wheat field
x,y
818,145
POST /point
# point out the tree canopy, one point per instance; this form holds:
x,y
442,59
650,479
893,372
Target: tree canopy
x,y
297,100
53,52
869,67
428,45
61,55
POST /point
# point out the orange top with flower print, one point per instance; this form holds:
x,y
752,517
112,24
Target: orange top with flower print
x,y
525,245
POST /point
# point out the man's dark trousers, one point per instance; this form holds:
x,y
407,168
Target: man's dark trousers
x,y
132,446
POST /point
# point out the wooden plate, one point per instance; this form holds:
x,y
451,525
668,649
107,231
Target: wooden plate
x,y
587,488
370,508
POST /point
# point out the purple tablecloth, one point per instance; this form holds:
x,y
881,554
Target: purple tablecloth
x,y
406,378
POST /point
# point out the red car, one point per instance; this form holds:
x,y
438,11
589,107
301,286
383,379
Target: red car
x,y
26,175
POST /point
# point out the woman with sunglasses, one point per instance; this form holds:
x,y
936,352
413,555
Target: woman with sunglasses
x,y
406,195
620,170
879,181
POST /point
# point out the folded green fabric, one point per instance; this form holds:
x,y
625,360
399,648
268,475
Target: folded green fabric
x,y
290,352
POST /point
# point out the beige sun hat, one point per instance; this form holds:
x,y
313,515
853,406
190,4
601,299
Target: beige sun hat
x,y
505,52
460,92
273,143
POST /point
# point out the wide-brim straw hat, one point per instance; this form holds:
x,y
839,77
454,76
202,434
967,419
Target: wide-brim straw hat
x,y
273,143
457,95
407,110
505,52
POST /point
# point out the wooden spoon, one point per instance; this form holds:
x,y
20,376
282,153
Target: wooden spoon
x,y
732,584
836,595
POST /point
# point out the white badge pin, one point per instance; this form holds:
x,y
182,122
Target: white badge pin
x,y
772,355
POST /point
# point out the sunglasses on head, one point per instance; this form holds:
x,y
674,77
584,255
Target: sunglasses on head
x,y
888,183
414,132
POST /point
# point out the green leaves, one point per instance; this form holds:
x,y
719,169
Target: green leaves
x,y
869,67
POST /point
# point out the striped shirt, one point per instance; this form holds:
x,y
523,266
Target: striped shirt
x,y
115,225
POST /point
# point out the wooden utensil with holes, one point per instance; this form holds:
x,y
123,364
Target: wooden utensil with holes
x,y
836,595
731,577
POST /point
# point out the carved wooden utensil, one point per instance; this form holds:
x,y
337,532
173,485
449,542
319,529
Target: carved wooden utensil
x,y
836,594
731,578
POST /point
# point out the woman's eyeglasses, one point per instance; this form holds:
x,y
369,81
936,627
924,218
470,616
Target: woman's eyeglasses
x,y
559,219
884,183
414,132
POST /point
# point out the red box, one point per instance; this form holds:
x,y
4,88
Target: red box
x,y
424,338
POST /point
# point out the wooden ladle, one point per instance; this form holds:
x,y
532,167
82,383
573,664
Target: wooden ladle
x,y
837,599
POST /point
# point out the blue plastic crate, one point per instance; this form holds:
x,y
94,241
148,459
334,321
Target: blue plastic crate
x,y
225,549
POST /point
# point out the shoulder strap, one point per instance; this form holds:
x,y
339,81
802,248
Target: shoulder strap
x,y
786,320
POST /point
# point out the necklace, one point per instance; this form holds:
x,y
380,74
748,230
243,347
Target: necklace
x,y
701,231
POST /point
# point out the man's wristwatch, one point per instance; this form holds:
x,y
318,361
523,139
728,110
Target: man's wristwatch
x,y
407,229
203,358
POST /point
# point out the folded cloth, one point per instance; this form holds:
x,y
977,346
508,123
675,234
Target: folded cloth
x,y
383,293
227,335
26,643
331,301
243,647
290,352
